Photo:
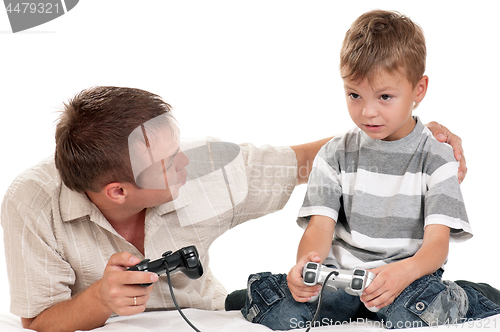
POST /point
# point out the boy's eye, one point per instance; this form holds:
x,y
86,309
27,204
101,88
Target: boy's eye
x,y
385,97
354,95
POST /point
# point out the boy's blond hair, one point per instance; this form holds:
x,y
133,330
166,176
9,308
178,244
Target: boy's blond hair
x,y
383,40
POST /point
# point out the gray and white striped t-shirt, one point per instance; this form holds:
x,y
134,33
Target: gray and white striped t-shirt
x,y
382,195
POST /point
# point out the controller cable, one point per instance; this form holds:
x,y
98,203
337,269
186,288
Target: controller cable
x,y
175,301
320,298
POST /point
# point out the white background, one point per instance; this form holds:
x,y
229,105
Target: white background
x,y
265,72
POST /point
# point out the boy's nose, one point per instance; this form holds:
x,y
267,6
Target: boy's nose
x,y
369,110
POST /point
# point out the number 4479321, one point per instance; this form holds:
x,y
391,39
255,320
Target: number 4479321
x,y
32,7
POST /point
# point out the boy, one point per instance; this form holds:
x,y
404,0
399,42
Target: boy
x,y
387,194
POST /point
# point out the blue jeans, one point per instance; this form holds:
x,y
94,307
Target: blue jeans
x,y
429,301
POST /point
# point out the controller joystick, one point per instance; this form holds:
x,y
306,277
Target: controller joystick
x,y
185,260
353,281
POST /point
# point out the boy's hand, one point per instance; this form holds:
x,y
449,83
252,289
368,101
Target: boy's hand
x,y
301,292
390,281
444,135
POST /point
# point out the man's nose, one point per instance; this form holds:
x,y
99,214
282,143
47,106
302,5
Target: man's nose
x,y
182,160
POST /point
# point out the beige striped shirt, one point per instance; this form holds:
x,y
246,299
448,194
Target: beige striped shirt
x,y
57,242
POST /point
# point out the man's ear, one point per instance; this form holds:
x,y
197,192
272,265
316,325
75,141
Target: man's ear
x,y
421,89
115,192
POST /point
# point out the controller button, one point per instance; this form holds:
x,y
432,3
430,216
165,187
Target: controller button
x,y
192,262
357,284
420,306
360,273
310,277
312,266
143,265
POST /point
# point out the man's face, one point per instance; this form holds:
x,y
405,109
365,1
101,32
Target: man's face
x,y
166,176
166,173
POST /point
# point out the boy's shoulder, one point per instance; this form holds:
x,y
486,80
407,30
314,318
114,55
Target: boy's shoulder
x,y
434,148
434,154
347,141
420,142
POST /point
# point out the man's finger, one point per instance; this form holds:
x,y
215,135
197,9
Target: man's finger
x,y
139,277
123,259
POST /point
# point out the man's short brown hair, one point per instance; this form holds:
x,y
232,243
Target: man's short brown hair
x,y
92,135
383,40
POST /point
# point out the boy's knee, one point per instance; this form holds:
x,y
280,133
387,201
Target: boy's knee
x,y
432,303
270,303
449,306
263,291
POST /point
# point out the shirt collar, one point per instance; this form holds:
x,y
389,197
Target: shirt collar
x,y
75,205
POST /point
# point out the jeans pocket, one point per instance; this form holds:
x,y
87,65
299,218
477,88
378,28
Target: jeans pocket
x,y
263,292
439,303
270,290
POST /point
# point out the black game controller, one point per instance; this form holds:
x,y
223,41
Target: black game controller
x,y
185,260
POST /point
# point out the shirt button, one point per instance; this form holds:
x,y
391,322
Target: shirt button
x,y
420,306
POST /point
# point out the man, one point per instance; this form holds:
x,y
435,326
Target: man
x,y
119,190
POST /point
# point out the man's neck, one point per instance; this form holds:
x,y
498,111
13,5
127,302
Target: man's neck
x,y
130,227
128,221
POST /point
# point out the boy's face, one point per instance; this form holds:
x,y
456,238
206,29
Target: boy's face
x,y
383,107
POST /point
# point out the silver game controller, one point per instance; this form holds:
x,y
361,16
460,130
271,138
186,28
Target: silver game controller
x,y
352,282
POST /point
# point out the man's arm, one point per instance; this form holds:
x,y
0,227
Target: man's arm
x,y
306,153
305,156
90,309
82,312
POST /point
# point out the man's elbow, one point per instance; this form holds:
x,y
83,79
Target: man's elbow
x,y
27,322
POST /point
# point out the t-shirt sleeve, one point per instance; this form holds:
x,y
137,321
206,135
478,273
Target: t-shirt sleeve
x,y
324,188
444,203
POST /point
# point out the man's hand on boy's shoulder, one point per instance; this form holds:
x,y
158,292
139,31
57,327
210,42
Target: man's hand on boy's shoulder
x,y
444,135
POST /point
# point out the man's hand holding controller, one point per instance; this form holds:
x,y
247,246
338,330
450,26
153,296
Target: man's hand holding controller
x,y
119,290
354,281
126,283
185,260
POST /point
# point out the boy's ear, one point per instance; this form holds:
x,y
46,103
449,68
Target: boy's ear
x,y
421,88
115,192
